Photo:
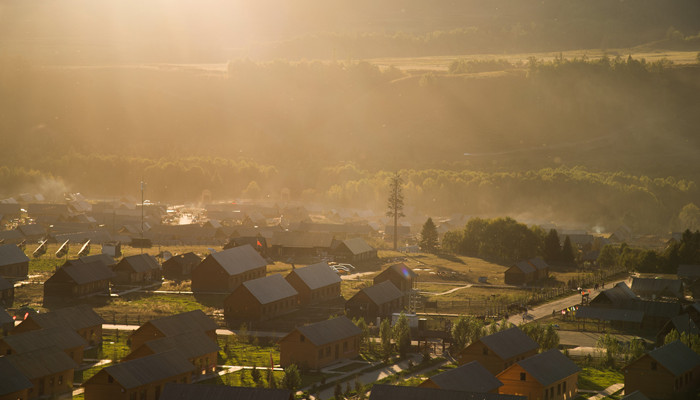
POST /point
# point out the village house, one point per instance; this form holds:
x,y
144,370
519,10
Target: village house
x,y
63,339
315,283
179,268
103,258
500,350
664,372
140,378
195,346
614,297
377,301
11,237
32,232
470,377
682,324
355,250
287,244
139,269
81,318
261,299
14,385
173,325
320,344
6,322
690,276
391,392
14,264
181,391
401,276
49,370
653,288
546,376
7,293
225,270
527,271
76,280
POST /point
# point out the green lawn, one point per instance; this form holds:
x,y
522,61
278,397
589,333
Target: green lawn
x,y
235,352
598,379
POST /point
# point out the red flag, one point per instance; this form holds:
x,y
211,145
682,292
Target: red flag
x,y
259,244
14,317
26,315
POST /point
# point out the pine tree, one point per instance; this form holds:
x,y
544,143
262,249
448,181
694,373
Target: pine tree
x,y
402,335
395,204
429,237
567,252
385,334
292,378
552,248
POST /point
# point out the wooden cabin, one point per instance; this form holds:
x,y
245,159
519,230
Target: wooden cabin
x,y
470,377
355,250
320,344
225,270
391,392
173,325
6,322
181,391
195,346
141,378
139,269
500,350
664,373
15,386
76,280
179,268
261,299
545,376
81,319
315,283
287,244
7,293
14,264
49,370
377,301
400,275
63,339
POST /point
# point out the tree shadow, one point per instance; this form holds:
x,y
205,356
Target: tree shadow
x,y
451,257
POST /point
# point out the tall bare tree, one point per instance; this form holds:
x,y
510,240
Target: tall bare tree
x,y
395,203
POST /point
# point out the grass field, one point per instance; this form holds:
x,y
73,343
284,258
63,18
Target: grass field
x,y
598,379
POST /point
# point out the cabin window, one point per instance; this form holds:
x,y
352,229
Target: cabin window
x,y
546,394
320,353
345,346
653,365
522,376
143,395
60,380
485,351
563,386
132,396
551,392
558,389
328,351
110,379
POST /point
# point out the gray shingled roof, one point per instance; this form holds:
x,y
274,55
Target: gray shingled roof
x,y
141,262
683,323
658,287
105,259
12,378
11,254
43,362
676,357
470,377
182,391
76,317
153,368
317,275
189,344
525,267
357,246
618,294
61,338
610,314
538,263
549,367
509,343
330,330
270,288
82,273
390,392
383,292
302,239
403,270
184,322
239,259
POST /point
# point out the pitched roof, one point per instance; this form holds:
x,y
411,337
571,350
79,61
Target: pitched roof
x,y
12,378
105,259
676,357
141,262
688,271
189,258
390,392
11,254
470,377
189,344
658,287
549,367
184,322
182,391
317,275
76,317
330,330
382,292
42,362
142,371
538,263
82,273
402,270
610,314
509,343
617,294
32,230
239,259
61,338
684,324
270,288
357,246
302,239
525,267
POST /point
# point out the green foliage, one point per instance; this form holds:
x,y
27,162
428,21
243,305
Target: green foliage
x,y
385,335
464,331
271,380
462,66
611,346
337,391
567,252
552,247
545,336
429,237
608,256
256,376
292,378
689,339
402,335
